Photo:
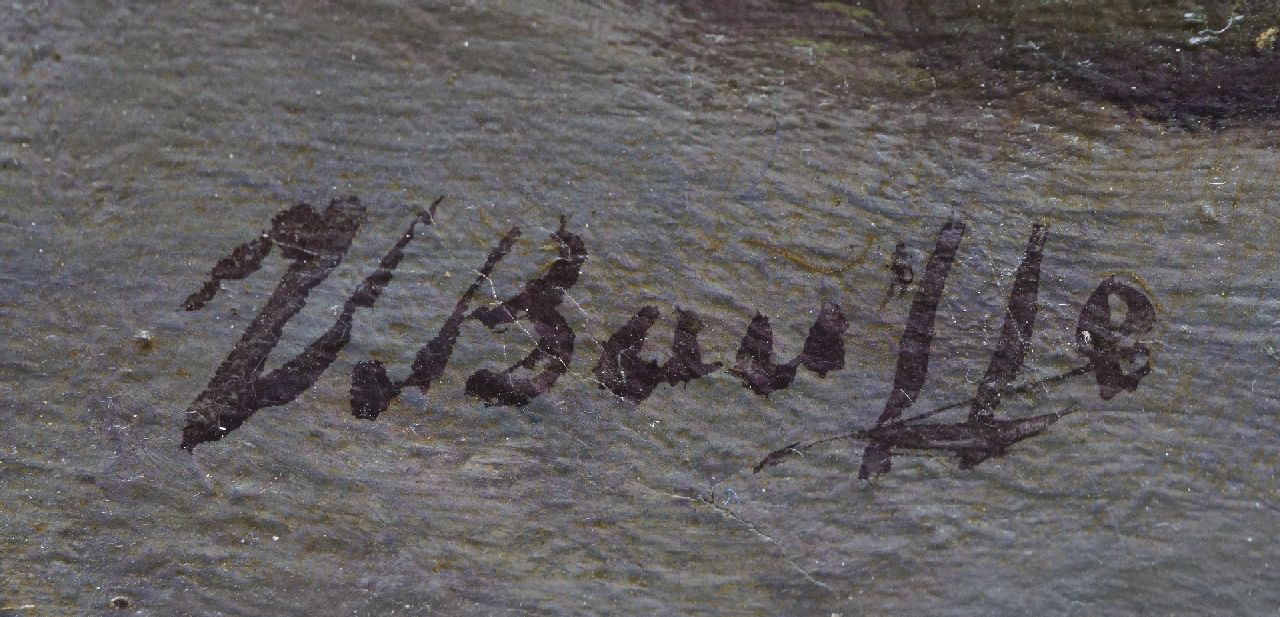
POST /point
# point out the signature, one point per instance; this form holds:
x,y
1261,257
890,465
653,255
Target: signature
x,y
315,242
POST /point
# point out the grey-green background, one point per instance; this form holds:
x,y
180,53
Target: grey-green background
x,y
728,157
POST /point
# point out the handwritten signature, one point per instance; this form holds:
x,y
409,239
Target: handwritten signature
x,y
315,243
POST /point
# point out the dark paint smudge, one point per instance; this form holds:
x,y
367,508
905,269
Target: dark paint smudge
x,y
1141,58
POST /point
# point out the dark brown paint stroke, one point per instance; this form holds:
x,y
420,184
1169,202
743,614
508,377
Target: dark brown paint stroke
x,y
913,351
823,351
1109,346
754,362
781,454
903,273
972,442
1015,335
686,362
372,390
623,372
1106,344
620,368
554,348
243,261
316,244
